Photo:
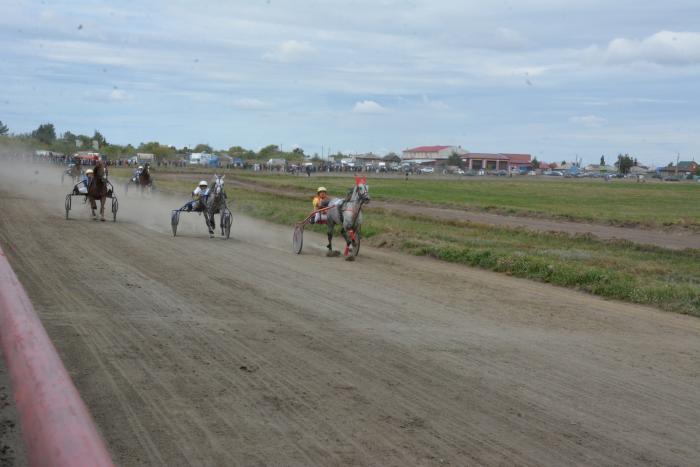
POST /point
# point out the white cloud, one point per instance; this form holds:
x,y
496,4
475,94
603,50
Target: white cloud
x,y
246,103
590,121
291,51
507,38
119,95
115,95
434,104
368,107
663,48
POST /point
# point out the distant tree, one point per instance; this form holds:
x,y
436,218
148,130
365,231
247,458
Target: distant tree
x,y
602,160
235,151
636,162
83,141
3,129
624,163
69,138
563,162
161,151
46,133
101,141
535,163
203,148
298,151
269,151
455,160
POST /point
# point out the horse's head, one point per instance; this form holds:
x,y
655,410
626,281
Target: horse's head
x,y
100,172
218,187
361,191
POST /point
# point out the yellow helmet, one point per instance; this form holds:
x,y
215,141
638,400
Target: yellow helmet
x,y
321,188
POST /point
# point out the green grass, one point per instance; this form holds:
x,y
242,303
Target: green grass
x,y
620,202
669,280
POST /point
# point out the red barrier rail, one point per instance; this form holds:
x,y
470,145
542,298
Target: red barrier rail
x,y
56,426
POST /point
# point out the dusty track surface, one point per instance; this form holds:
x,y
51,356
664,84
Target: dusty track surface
x,y
211,352
11,448
675,239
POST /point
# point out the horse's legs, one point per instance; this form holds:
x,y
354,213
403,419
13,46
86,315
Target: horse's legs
x,y
102,207
330,226
209,219
347,240
93,206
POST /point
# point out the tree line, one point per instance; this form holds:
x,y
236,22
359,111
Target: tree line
x,y
46,137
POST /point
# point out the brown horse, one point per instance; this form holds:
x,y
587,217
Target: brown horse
x,y
145,181
97,189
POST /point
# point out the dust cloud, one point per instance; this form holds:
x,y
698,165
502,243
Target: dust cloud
x,y
42,183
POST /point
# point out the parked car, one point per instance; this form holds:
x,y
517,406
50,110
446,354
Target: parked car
x,y
427,170
554,173
500,173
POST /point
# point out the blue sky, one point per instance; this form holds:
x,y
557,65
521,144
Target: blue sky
x,y
552,78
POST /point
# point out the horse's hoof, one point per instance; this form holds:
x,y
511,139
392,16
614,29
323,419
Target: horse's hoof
x,y
102,219
350,258
333,253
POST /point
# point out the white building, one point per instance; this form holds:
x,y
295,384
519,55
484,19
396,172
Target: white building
x,y
199,158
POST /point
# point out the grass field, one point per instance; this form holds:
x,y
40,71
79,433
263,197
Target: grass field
x,y
619,202
620,270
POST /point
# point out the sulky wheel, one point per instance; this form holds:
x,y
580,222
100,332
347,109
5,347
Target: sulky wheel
x,y
298,239
115,208
227,221
174,220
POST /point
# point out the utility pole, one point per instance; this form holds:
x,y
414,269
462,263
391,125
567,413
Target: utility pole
x,y
678,158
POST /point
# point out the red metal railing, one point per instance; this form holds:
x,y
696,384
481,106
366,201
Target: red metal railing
x,y
56,426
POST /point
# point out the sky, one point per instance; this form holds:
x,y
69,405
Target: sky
x,y
557,79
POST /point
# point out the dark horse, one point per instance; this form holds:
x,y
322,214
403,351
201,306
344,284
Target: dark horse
x,y
142,179
145,180
97,189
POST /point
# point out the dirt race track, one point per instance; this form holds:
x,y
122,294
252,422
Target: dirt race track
x,y
210,352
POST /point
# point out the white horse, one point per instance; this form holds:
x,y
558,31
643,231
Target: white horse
x,y
348,214
215,204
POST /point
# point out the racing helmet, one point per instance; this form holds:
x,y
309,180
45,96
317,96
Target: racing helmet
x,y
321,189
203,183
89,172
140,167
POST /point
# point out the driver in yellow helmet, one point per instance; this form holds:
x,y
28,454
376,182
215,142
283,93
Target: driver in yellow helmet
x,y
321,200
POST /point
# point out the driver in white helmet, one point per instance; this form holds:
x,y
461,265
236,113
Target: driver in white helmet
x,y
85,182
136,173
198,196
